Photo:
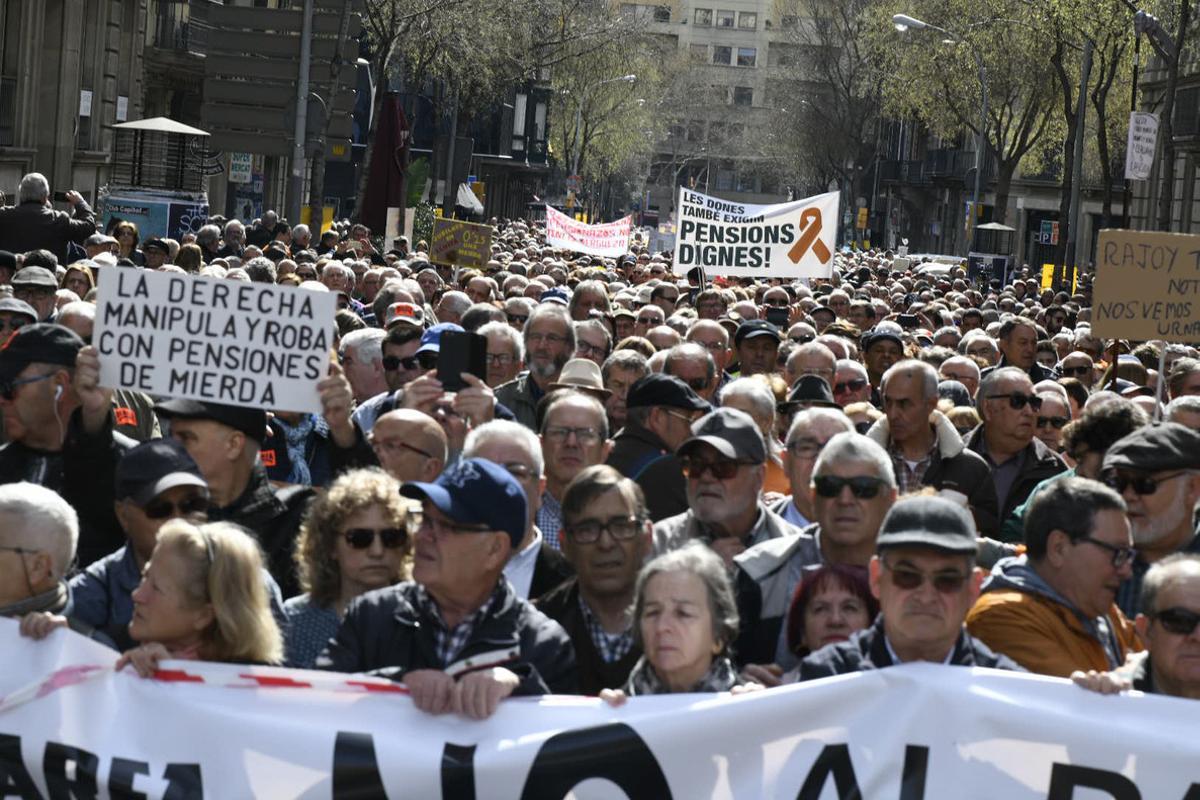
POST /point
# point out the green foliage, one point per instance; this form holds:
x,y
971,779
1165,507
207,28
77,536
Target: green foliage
x,y
418,173
422,223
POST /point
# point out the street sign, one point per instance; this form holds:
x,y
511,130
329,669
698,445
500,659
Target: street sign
x,y
462,244
241,166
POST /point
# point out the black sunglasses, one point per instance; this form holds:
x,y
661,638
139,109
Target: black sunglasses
x,y
392,363
721,470
1070,372
863,487
1017,401
856,385
1142,484
944,582
161,509
517,319
1120,555
362,538
1179,621
1057,422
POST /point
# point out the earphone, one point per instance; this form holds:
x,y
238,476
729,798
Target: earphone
x,y
58,393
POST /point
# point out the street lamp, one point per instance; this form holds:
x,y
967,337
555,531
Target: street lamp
x,y
904,23
579,116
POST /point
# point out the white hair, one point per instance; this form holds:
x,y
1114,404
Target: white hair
x,y
366,344
854,448
509,432
34,188
507,332
914,368
808,417
44,522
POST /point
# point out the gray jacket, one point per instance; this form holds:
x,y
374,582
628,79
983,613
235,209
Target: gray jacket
x,y
767,575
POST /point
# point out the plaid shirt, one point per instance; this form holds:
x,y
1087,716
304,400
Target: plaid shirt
x,y
909,479
611,646
450,641
549,521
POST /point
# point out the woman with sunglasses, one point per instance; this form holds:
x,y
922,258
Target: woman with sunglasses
x,y
126,234
354,539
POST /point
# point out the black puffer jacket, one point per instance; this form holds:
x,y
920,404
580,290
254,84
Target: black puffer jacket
x,y
640,455
386,633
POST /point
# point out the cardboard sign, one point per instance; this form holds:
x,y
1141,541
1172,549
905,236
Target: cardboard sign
x,y
786,240
610,240
462,244
1147,286
251,344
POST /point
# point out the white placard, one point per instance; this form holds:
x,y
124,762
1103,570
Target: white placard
x,y
609,240
122,108
250,344
85,102
241,167
786,240
1139,150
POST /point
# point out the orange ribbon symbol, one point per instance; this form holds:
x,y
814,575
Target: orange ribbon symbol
x,y
810,225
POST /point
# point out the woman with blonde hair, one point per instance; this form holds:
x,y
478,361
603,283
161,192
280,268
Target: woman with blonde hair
x,y
203,597
355,538
190,258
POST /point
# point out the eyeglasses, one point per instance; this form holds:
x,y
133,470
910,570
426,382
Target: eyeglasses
x,y
441,527
588,531
776,303
362,538
162,509
1072,372
805,448
856,385
1179,621
517,319
1142,484
1120,555
1057,422
721,470
392,363
583,349
500,359
394,446
9,390
909,579
39,292
1017,401
560,433
698,384
864,487
688,418
11,324
802,339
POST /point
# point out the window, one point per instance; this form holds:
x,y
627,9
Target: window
x,y
629,10
746,56
725,179
722,55
725,19
10,32
703,17
747,182
695,130
699,52
743,96
783,55
748,20
662,13
716,133
788,21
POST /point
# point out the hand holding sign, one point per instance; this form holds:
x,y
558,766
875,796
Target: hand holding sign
x,y
337,401
95,402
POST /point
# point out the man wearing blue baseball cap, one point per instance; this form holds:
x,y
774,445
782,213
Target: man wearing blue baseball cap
x,y
457,635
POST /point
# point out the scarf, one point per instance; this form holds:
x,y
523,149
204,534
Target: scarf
x,y
721,677
52,600
296,439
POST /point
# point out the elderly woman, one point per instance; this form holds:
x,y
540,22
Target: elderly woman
x,y
685,619
355,538
831,602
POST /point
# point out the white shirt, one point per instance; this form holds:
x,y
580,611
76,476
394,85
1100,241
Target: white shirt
x,y
519,569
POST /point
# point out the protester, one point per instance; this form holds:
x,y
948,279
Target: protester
x,y
33,224
831,603
574,435
809,431
619,372
549,342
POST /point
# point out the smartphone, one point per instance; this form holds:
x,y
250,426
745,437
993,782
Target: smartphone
x,y
777,317
908,321
461,352
60,197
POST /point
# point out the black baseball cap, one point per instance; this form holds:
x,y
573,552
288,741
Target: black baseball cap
x,y
657,389
155,244
250,421
755,327
881,336
1155,448
731,432
153,467
810,390
932,522
42,343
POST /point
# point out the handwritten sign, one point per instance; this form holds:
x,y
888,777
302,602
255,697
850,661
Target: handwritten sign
x,y
251,344
1139,149
1147,286
610,239
462,244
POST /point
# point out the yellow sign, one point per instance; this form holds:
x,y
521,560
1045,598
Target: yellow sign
x,y
1048,277
862,219
462,244
1147,286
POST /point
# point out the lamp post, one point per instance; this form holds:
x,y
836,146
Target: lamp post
x,y
578,143
904,23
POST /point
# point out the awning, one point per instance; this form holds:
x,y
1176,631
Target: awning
x,y
160,125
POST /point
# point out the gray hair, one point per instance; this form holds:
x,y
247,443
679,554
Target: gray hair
x,y
552,310
681,352
630,360
33,188
1174,567
45,522
998,375
756,391
457,302
301,230
594,405
366,344
234,227
596,325
261,270
208,233
850,365
913,368
809,417
696,559
508,432
971,337
82,308
856,448
507,332
962,361
1188,404
588,286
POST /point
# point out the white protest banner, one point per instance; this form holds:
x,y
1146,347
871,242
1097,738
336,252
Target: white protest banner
x,y
1139,149
233,342
786,240
609,240
914,732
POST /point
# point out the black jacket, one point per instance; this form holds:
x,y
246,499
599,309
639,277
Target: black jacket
x,y
549,571
639,454
1040,463
385,633
562,606
867,650
273,516
33,226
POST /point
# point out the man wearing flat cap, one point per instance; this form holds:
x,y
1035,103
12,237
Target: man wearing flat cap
x,y
155,252
925,577
457,635
1156,470
725,463
660,410
37,286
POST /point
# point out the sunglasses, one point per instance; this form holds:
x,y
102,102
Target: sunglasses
x,y
721,470
1017,401
856,385
698,384
517,319
863,487
1179,621
1142,484
776,303
1072,372
362,538
802,339
1057,422
161,509
909,579
392,363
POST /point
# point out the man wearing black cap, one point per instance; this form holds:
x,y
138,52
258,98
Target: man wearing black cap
x,y
925,577
225,442
881,350
156,252
757,345
660,410
457,635
1156,470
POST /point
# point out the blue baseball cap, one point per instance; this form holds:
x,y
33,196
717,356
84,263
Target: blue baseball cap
x,y
476,491
431,340
555,295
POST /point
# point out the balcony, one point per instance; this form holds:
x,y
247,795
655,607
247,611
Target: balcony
x,y
179,26
906,172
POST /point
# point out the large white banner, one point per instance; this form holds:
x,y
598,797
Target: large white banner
x,y
609,240
785,240
71,727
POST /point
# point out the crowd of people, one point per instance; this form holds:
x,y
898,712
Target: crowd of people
x,y
659,483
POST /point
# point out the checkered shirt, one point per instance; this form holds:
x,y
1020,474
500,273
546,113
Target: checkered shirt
x,y
549,521
611,646
450,641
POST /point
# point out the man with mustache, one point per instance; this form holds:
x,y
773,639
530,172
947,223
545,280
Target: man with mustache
x,y
549,343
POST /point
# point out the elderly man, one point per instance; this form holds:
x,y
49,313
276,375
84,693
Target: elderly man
x,y
1052,610
405,328
37,286
1019,461
1183,380
361,357
235,240
606,535
811,358
850,383
1155,471
1018,348
38,534
410,445
961,369
660,412
574,436
592,341
807,434
619,372
851,488
925,447
1052,418
757,344
549,342
33,224
694,365
713,337
925,577
725,464
458,608
1078,365
452,306
505,352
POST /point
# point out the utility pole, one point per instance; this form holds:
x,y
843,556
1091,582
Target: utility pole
x,y
316,194
1085,71
296,190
